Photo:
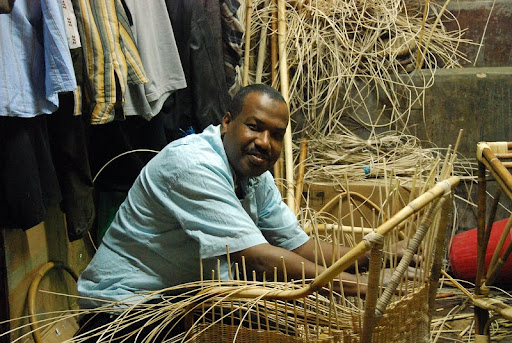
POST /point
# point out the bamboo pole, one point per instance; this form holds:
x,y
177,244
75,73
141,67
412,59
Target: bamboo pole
x,y
283,78
274,53
481,315
278,166
262,48
414,243
300,172
247,45
494,305
369,318
325,228
500,263
439,250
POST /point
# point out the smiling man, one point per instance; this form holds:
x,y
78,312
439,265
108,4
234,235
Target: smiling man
x,y
200,195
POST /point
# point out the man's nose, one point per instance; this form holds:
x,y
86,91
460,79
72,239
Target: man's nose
x,y
263,140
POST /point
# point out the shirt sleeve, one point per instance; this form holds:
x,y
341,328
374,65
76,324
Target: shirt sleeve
x,y
205,204
277,222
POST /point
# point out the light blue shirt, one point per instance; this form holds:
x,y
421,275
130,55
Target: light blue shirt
x,y
183,208
35,62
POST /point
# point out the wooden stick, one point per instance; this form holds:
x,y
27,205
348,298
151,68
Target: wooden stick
x,y
262,48
283,77
300,172
273,45
439,250
497,251
278,167
482,244
369,319
481,316
500,264
247,45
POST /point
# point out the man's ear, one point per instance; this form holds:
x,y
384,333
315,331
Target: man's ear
x,y
226,119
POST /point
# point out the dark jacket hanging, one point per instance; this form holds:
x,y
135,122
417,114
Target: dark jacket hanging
x,y
198,32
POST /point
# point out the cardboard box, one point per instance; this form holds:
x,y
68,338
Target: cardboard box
x,y
358,208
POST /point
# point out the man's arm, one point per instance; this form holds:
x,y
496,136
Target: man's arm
x,y
299,263
329,253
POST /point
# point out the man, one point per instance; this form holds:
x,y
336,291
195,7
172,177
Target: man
x,y
201,195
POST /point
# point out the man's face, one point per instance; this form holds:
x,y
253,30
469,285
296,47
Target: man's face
x,y
253,139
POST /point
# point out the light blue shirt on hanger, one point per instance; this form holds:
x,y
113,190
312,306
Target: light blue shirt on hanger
x,y
35,60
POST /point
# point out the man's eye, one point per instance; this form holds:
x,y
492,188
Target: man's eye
x,y
279,136
252,127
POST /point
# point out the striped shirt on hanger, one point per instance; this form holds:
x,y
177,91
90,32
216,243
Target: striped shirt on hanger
x,y
111,57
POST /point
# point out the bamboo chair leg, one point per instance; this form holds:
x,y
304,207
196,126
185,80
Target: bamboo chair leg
x,y
481,315
492,269
369,320
404,263
500,263
435,271
488,228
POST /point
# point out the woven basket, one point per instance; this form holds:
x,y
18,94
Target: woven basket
x,y
405,321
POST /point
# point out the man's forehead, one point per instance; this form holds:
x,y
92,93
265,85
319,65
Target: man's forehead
x,y
268,121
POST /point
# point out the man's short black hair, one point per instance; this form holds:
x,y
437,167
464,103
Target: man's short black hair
x,y
238,100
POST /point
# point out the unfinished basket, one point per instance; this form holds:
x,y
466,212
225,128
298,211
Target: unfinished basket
x,y
309,311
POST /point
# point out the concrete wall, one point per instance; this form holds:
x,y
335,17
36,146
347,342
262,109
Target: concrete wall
x,y
476,98
487,23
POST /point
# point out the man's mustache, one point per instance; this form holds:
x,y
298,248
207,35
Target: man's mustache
x,y
258,152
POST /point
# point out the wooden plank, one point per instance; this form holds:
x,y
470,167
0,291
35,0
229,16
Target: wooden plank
x,y
4,292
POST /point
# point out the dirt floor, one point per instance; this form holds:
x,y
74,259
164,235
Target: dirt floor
x,y
454,318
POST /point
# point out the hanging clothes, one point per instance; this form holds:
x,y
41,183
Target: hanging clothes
x,y
155,41
111,58
28,181
69,147
35,68
36,62
232,34
197,29
143,127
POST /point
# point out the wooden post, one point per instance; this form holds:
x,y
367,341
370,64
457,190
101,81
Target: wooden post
x,y
283,77
278,167
481,315
300,172
247,45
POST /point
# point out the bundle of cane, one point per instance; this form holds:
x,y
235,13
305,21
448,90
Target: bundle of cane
x,y
343,57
